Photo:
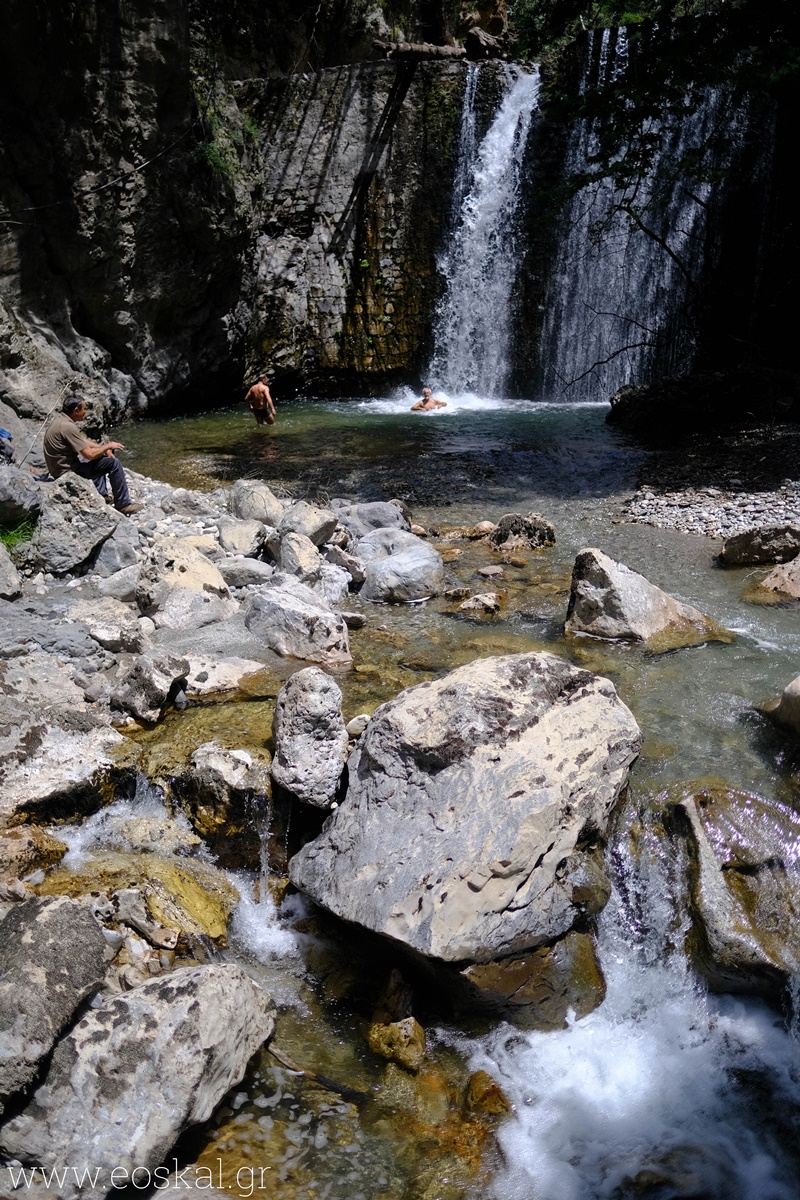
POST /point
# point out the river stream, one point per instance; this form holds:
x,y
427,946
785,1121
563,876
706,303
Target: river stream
x,y
665,1090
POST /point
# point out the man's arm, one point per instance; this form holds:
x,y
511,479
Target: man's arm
x,y
93,450
440,403
416,407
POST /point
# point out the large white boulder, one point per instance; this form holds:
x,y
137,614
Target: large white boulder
x,y
399,566
287,617
476,806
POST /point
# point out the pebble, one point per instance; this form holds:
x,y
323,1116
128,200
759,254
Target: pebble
x,y
714,512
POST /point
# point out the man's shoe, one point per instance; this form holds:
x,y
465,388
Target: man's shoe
x,y
130,509
108,499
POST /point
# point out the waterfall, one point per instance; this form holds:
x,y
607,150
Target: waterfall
x,y
473,321
624,283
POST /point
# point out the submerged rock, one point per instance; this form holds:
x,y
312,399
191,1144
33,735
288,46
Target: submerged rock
x,y
474,807
145,1066
310,738
609,600
784,581
399,567
514,531
744,888
51,959
25,848
765,544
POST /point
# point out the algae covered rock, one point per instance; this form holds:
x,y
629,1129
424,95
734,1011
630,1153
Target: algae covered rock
x,y
181,893
221,790
609,600
474,809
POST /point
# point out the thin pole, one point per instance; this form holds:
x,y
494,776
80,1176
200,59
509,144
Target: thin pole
x,y
44,422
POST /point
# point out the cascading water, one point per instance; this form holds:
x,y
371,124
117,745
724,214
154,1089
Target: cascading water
x,y
631,261
473,326
663,1091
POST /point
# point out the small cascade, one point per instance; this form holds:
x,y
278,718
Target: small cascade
x,y
474,318
661,1090
631,263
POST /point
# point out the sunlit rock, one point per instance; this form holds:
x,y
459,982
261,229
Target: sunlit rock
x,y
145,1066
310,738
74,522
475,810
10,585
289,618
180,589
252,500
317,524
399,567
609,600
765,544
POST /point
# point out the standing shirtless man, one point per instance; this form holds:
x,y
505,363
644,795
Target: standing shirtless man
x,y
428,402
260,402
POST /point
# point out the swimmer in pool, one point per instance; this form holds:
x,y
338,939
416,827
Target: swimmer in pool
x,y
428,402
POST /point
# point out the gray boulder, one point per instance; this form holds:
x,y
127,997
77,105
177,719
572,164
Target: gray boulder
x,y
10,585
241,537
609,600
180,589
112,623
252,500
245,572
399,567
333,585
20,496
119,551
514,531
354,566
475,810
295,622
361,519
317,524
145,1066
121,585
300,557
74,522
764,544
145,683
221,790
310,738
51,959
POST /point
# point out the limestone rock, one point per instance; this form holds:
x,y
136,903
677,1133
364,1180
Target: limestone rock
x,y
295,622
241,537
784,581
207,676
349,562
25,848
146,1066
539,990
609,600
310,738
119,551
252,500
121,585
475,808
20,496
401,1041
180,589
744,890
73,523
787,710
184,894
51,959
486,602
220,790
111,623
399,567
10,585
361,519
245,572
333,585
317,524
300,557
513,531
145,683
764,544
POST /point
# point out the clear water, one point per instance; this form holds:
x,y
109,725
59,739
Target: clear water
x,y
663,1091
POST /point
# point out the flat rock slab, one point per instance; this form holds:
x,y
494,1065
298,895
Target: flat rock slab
x,y
51,959
145,1067
474,810
609,600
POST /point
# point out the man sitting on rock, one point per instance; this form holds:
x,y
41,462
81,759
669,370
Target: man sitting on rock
x,y
67,448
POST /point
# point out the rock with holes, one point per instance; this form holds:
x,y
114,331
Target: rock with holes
x,y
310,738
146,1066
73,524
475,811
